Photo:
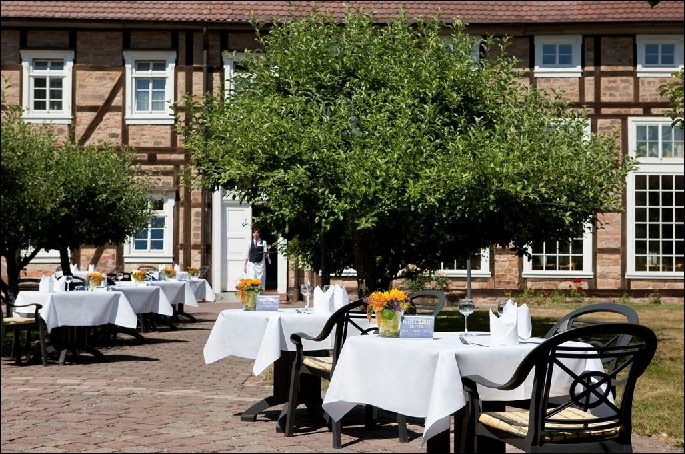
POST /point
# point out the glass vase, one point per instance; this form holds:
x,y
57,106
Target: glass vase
x,y
388,326
92,284
249,301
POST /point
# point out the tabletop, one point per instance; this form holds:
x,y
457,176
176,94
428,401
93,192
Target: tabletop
x,y
262,335
422,377
146,298
84,308
177,292
201,289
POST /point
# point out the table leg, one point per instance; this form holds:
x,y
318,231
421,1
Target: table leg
x,y
180,311
281,387
74,339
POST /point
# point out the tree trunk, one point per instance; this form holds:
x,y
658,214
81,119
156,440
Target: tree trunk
x,y
64,261
370,276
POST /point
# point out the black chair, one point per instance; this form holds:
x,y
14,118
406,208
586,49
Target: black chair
x,y
202,272
427,302
16,325
593,314
321,365
567,426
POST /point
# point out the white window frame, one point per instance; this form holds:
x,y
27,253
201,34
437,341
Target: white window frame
x,y
166,117
165,255
645,70
572,70
646,166
483,271
587,271
63,116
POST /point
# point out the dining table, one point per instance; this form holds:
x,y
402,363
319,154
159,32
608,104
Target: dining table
x,y
265,337
179,294
201,289
69,312
421,377
145,301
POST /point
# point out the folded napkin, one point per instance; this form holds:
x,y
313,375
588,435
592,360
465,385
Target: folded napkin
x,y
503,329
60,285
524,322
91,268
45,284
74,268
323,301
177,268
340,297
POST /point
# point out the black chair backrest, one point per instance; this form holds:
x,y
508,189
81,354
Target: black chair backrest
x,y
202,271
589,389
339,321
428,302
579,317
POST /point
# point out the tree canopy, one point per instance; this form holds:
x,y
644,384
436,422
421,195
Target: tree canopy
x,y
61,196
392,145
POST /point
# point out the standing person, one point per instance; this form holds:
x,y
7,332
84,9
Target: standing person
x,y
256,257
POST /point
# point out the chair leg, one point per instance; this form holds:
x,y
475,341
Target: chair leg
x,y
43,344
370,416
292,402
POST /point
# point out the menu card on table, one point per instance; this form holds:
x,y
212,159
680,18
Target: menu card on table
x,y
267,302
417,326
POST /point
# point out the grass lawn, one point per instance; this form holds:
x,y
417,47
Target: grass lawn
x,y
658,401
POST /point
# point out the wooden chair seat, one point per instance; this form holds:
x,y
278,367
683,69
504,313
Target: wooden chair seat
x,y
516,423
318,363
18,321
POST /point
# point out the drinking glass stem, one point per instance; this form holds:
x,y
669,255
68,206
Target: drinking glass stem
x,y
306,301
466,324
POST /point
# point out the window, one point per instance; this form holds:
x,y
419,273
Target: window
x,y
46,88
558,56
656,200
659,55
563,259
480,266
149,86
154,243
475,49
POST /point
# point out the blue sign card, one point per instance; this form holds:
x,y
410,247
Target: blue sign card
x,y
267,302
417,326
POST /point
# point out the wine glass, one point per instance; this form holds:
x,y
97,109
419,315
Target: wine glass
x,y
306,290
120,276
466,307
68,278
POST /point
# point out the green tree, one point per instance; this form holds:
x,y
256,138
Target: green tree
x,y
673,91
56,197
390,145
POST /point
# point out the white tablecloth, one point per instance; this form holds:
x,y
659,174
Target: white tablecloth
x,y
422,377
146,298
84,308
177,292
261,335
202,290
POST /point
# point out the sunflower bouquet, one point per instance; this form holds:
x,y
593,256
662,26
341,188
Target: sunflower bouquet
x,y
94,279
138,275
386,304
246,286
169,272
192,271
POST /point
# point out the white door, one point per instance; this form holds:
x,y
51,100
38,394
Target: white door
x,y
238,227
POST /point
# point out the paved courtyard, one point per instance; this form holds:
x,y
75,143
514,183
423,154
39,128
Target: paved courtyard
x,y
162,397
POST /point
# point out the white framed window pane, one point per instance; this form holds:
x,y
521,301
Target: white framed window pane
x,y
659,213
549,54
565,54
149,86
558,256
